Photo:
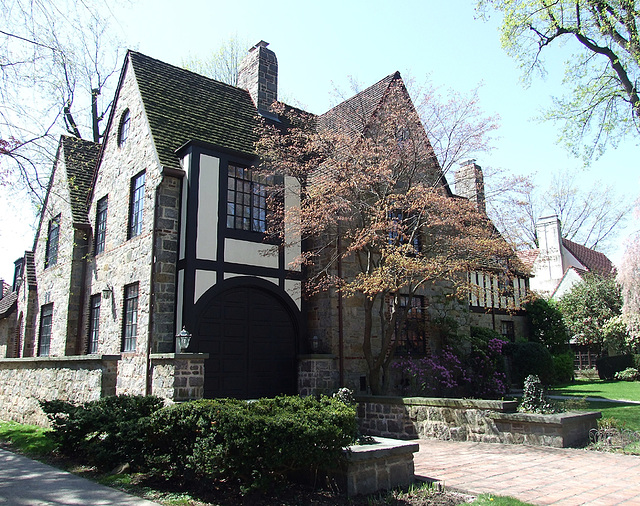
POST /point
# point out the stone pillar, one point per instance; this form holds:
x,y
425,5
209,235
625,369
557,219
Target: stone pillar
x,y
470,184
178,376
318,374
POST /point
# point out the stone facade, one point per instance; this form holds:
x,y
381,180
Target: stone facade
x,y
472,420
179,377
318,374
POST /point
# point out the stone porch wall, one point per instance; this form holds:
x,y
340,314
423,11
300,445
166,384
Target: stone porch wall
x,y
471,420
318,374
24,381
178,376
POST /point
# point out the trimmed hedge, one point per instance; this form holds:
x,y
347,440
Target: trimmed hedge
x,y
251,443
530,358
248,443
608,366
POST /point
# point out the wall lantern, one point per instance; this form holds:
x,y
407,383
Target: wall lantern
x,y
107,292
183,338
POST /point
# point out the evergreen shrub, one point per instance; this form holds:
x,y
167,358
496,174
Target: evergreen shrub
x,y
251,444
106,432
529,358
563,367
608,366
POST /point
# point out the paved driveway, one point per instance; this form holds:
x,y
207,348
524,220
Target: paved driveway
x,y
539,475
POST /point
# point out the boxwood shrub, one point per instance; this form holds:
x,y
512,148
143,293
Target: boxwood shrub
x,y
251,444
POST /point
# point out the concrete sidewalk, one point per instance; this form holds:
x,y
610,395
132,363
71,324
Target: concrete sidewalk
x,y
538,475
26,482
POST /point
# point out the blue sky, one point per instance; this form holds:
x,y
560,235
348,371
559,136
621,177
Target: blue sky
x,y
319,45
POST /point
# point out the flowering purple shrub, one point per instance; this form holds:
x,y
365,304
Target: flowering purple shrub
x,y
449,373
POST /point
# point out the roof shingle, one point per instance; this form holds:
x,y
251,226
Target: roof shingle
x,y
80,158
182,106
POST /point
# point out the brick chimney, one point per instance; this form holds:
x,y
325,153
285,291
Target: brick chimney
x,y
470,184
258,74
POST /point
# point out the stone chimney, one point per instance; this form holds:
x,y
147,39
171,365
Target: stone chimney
x,y
469,183
258,74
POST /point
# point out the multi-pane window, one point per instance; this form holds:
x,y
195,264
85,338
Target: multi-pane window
x,y
46,319
410,326
101,225
135,205
94,323
246,200
53,235
130,320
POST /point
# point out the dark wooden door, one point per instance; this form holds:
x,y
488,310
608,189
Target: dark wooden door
x,y
250,337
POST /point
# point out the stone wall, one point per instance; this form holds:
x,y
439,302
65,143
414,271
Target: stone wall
x,y
471,420
318,374
76,379
178,376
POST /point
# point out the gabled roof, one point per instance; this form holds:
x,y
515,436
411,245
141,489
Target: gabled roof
x,y
594,261
8,304
182,106
356,112
80,158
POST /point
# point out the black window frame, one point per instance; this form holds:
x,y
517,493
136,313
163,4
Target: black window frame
x,y
399,224
411,331
44,333
246,201
95,302
130,317
102,207
136,205
508,330
53,241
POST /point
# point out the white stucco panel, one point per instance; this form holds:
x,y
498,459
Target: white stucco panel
x,y
208,197
204,281
294,289
250,253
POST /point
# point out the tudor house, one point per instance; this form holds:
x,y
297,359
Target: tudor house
x,y
162,227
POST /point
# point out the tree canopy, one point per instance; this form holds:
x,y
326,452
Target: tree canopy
x,y
589,306
602,75
373,200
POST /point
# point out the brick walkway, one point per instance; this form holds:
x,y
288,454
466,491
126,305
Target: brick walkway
x,y
558,476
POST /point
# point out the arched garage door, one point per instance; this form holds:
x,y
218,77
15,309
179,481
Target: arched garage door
x,y
251,338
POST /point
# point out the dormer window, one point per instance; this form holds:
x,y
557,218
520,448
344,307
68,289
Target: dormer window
x,y
123,131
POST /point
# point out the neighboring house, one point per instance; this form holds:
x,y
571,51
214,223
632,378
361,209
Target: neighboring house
x,y
160,228
559,263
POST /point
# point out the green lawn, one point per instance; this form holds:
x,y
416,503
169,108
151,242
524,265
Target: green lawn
x,y
621,390
29,439
627,414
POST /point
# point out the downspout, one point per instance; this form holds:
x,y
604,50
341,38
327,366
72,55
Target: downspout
x,y
152,278
340,326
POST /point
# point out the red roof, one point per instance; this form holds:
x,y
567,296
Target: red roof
x,y
594,261
528,257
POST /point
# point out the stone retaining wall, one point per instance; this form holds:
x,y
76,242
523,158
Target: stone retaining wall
x,y
78,379
471,420
384,465
317,374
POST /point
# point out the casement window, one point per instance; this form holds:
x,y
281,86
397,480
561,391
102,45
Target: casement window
x,y
46,319
94,323
246,200
136,204
130,317
123,130
403,229
53,235
507,329
410,331
101,225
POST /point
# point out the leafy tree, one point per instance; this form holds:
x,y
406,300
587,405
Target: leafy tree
x,y
547,325
603,104
629,279
587,216
589,306
221,64
375,216
57,60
